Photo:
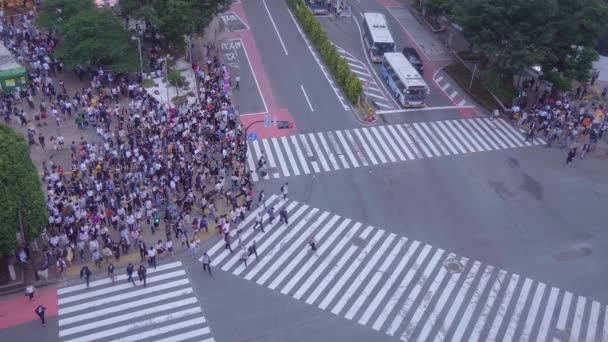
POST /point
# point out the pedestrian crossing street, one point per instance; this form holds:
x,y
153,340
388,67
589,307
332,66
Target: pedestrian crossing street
x,y
402,287
164,311
352,148
370,86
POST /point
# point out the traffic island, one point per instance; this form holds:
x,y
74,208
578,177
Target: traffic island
x,y
478,91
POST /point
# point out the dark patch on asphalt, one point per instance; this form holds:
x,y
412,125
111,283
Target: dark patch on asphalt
x,y
501,189
512,162
357,241
532,186
573,253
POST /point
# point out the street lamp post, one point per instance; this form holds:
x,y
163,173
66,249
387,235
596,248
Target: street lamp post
x,y
141,63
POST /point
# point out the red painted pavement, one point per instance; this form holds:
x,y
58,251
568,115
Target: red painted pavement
x,y
430,65
257,67
20,309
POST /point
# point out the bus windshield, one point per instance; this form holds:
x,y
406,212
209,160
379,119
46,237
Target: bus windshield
x,y
380,48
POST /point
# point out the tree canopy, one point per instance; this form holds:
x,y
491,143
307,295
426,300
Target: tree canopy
x,y
20,189
514,34
89,35
174,18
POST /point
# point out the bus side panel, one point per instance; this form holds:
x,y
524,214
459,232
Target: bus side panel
x,y
391,84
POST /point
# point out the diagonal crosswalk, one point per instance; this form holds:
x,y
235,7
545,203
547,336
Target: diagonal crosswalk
x,y
358,147
166,310
402,287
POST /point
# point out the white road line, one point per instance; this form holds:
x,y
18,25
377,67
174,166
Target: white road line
x,y
459,135
122,297
363,143
388,307
336,146
502,309
455,306
462,102
335,269
445,295
325,245
357,71
315,146
424,304
448,133
453,94
383,143
296,147
125,317
423,109
545,323
281,259
356,65
466,316
470,132
350,271
277,246
438,79
382,104
445,86
400,142
578,318
604,335
488,135
187,335
519,139
355,283
492,135
304,251
254,77
277,150
485,311
275,27
482,132
349,153
439,138
162,330
519,307
292,160
309,153
593,318
355,146
413,295
106,281
368,290
307,99
120,287
427,141
376,96
388,284
533,312
126,306
486,123
371,141
349,58
258,153
153,321
330,154
270,157
391,141
251,164
411,144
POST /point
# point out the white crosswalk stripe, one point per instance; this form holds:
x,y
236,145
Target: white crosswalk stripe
x,y
396,286
352,148
123,312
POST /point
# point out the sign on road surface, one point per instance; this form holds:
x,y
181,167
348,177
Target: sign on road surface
x,y
267,120
252,136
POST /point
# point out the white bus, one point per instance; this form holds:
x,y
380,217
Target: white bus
x,y
403,79
378,37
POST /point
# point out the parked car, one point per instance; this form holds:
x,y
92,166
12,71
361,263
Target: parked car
x,y
414,58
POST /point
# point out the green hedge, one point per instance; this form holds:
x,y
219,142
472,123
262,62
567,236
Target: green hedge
x,y
347,80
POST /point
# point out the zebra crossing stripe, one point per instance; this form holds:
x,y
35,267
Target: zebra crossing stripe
x,y
292,160
356,147
485,311
375,147
299,153
578,318
309,153
269,157
466,316
336,146
503,306
351,269
157,331
533,311
594,316
252,166
519,307
187,335
447,126
443,137
317,150
363,143
439,126
360,72
543,330
409,300
282,163
516,135
382,135
362,275
505,132
410,144
320,252
295,261
471,132
330,154
349,153
485,135
495,131
427,141
563,313
394,135
435,137
258,153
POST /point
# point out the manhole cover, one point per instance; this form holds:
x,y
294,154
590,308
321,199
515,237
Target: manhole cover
x,y
359,242
453,266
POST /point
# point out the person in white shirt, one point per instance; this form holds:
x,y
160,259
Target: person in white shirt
x,y
152,257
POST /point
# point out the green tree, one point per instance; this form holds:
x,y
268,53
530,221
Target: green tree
x,y
176,79
20,189
54,13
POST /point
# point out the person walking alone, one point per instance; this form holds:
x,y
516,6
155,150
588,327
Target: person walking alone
x,y
86,273
571,155
152,257
29,291
141,272
262,198
206,260
270,214
130,269
253,249
283,215
243,257
227,241
237,86
40,312
259,222
111,273
284,191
